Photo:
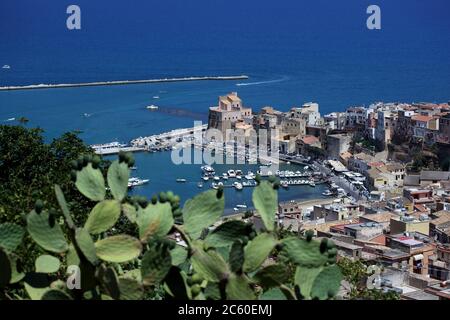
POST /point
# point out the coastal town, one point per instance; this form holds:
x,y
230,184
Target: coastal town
x,y
387,171
391,161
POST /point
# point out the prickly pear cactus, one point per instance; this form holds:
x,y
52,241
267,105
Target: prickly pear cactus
x,y
175,252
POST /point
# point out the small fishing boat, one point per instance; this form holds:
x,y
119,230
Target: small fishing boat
x,y
152,107
231,173
208,169
179,180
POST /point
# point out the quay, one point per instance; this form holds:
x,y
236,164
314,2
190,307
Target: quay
x,y
122,82
141,144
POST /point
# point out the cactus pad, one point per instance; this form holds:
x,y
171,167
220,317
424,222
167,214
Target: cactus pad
x,y
121,248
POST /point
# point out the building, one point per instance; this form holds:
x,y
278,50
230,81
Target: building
x,y
304,143
229,112
407,224
418,251
363,231
440,263
338,144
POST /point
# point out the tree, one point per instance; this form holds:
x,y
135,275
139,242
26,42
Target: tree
x,y
355,273
29,168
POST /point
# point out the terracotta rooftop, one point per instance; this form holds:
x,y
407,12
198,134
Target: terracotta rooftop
x,y
309,140
422,118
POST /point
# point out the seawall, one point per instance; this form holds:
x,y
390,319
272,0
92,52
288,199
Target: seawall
x,y
122,82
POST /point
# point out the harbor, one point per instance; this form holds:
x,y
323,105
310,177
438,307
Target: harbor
x,y
121,82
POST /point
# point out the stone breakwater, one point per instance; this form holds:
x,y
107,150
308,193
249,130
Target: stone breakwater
x,y
122,82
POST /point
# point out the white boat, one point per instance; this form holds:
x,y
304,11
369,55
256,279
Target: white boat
x,y
284,184
133,168
200,184
224,176
216,178
86,115
6,67
241,206
327,193
135,182
205,178
231,173
238,173
312,184
152,107
235,209
11,119
238,186
306,168
208,169
250,176
181,180
155,97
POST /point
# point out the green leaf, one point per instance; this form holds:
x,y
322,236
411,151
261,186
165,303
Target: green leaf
x,y
103,216
63,205
35,293
16,276
265,200
50,238
226,234
47,264
257,251
304,253
118,175
10,236
130,289
155,265
212,291
5,269
179,255
109,281
90,183
86,245
201,212
55,294
236,257
155,221
304,278
238,288
121,248
209,264
130,212
271,276
327,283
72,258
273,294
175,284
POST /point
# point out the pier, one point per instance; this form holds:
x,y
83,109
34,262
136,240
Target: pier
x,y
122,82
157,141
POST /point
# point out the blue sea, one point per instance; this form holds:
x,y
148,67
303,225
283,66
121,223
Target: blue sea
x,y
293,51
